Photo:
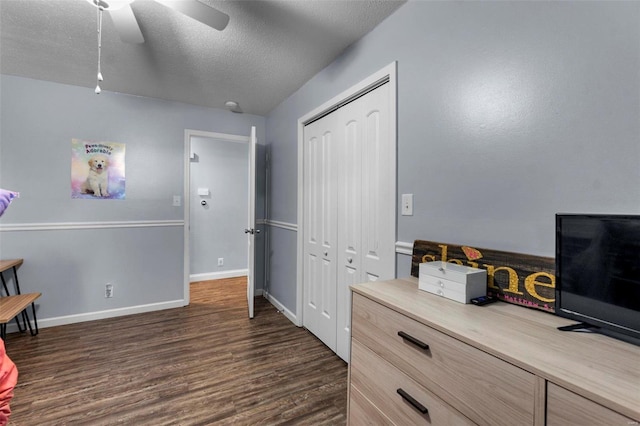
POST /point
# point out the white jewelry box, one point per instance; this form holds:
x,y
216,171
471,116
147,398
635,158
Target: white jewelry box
x,y
453,281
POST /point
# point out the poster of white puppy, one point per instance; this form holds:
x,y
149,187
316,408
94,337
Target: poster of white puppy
x,y
97,170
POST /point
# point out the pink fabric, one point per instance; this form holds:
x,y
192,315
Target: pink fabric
x,y
8,370
8,381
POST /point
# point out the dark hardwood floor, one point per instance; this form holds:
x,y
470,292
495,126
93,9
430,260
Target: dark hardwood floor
x,y
203,364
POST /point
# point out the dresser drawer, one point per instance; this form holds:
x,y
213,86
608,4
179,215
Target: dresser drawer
x,y
485,389
382,387
363,412
566,408
449,293
442,283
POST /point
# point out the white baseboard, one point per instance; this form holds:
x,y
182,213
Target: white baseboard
x,y
92,316
111,313
218,275
279,306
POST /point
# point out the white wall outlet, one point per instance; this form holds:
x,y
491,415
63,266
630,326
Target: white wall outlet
x,y
407,204
177,200
108,290
220,261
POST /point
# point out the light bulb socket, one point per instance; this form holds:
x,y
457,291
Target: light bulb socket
x,y
98,89
100,77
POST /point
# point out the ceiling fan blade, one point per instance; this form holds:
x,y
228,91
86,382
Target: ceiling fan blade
x,y
199,11
126,24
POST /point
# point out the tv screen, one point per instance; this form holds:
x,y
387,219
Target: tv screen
x,y
598,272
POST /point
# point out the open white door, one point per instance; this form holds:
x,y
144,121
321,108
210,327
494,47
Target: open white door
x,y
250,230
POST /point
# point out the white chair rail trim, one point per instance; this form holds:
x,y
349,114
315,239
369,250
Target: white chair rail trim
x,y
402,247
64,226
283,225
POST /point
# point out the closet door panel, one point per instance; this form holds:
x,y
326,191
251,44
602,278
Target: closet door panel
x,y
349,220
320,223
347,277
378,187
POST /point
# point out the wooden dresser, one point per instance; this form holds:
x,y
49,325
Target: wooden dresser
x,y
417,358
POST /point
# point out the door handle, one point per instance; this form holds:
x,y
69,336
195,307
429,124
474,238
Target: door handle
x,y
251,231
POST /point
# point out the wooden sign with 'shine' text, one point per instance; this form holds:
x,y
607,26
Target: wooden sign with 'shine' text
x,y
512,277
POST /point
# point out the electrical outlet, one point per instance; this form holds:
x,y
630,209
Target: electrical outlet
x,y
220,261
108,290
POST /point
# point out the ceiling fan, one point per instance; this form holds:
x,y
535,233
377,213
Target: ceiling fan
x,y
127,26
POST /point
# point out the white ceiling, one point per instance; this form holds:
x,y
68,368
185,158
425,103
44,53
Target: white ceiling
x,y
269,49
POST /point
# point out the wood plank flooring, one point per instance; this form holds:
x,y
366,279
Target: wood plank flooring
x,y
203,364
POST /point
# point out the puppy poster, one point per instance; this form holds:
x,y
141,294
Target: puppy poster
x,y
97,170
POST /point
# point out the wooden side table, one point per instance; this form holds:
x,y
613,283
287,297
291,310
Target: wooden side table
x,y
12,306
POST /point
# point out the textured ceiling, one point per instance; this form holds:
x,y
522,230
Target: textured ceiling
x,y
268,50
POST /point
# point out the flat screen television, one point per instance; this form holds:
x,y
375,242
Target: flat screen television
x,y
598,273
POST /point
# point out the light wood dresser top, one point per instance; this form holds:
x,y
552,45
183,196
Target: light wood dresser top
x,y
600,368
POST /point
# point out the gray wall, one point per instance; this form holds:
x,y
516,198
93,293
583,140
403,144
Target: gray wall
x,y
508,112
217,228
71,266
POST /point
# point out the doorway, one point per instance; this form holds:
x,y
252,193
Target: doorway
x,y
220,209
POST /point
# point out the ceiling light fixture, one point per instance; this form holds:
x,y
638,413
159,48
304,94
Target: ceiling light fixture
x,y
233,106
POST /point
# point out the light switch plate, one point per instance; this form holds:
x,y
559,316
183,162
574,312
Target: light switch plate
x,y
177,201
407,204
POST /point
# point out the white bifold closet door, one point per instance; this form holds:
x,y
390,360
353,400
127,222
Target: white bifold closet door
x,y
349,212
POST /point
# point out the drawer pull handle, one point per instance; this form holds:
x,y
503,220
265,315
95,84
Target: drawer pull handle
x,y
413,340
412,401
